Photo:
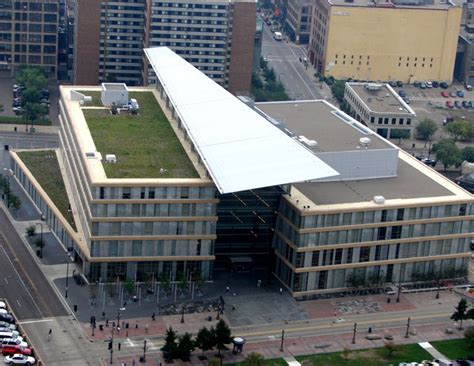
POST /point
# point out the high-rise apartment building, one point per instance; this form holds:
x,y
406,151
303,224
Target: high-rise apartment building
x,y
29,35
215,36
382,41
298,19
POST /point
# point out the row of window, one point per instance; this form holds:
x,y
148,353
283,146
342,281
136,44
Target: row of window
x,y
186,30
31,27
36,6
189,5
158,36
36,17
35,49
154,210
155,192
393,121
36,59
187,21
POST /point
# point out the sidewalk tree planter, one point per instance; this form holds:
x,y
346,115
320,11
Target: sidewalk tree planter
x,y
185,346
30,231
461,313
222,336
170,348
204,341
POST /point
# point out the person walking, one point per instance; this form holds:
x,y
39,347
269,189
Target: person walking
x,y
227,289
49,333
119,345
153,316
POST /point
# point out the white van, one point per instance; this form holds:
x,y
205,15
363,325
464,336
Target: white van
x,y
278,36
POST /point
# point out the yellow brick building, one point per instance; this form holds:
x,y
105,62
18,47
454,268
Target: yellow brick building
x,y
385,41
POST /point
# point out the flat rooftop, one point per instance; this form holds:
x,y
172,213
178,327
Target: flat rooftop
x,y
322,122
145,145
371,4
114,86
317,120
384,100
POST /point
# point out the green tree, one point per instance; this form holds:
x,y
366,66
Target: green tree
x,y
30,231
223,336
270,74
31,77
204,340
33,112
254,359
337,90
460,312
469,337
448,153
263,64
468,154
185,346
459,130
256,81
170,347
426,129
129,286
30,95
14,201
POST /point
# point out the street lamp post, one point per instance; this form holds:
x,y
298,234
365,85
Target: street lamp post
x,y
218,312
118,319
407,334
67,277
41,239
144,350
399,290
111,346
182,314
282,339
354,333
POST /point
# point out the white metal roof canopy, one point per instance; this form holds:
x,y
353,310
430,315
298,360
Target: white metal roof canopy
x,y
239,147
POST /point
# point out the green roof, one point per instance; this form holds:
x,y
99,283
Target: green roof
x,y
45,168
143,144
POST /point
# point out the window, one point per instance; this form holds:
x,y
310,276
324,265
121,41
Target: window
x,y
372,119
142,193
151,194
400,214
381,233
396,232
397,251
462,210
408,121
338,256
349,253
126,193
315,259
394,121
383,217
364,254
400,122
385,121
102,193
380,121
136,248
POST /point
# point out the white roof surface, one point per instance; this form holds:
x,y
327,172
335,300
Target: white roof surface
x,y
240,148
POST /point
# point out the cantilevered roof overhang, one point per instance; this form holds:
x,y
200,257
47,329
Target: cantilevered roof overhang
x,y
240,148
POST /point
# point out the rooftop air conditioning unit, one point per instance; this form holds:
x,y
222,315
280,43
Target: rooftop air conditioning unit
x,y
380,200
364,142
373,86
110,158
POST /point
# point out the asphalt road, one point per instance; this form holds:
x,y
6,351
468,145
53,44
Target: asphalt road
x,y
284,58
22,283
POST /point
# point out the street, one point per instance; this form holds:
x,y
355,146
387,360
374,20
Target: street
x,y
285,59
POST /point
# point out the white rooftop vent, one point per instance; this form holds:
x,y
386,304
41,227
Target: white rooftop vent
x,y
307,142
364,142
110,158
380,200
373,86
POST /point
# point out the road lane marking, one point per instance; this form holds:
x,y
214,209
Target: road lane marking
x,y
18,302
21,280
339,325
36,321
131,343
6,280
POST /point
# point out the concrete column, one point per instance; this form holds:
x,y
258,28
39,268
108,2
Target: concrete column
x,y
132,270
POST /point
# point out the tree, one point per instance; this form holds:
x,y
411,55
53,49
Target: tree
x,y
204,340
34,111
469,337
460,312
14,201
170,347
31,77
30,231
185,346
459,130
391,348
183,283
399,134
337,90
223,335
40,243
256,81
254,359
270,74
128,286
426,129
468,154
448,153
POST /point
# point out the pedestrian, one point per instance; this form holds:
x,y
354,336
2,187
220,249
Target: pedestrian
x,y
153,316
103,314
133,362
146,328
119,345
227,289
136,325
107,322
259,283
233,307
281,291
118,329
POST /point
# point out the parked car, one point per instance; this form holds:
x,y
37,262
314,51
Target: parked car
x,y
18,110
465,104
468,86
460,93
453,94
429,84
15,333
392,83
7,318
19,359
445,94
449,104
430,162
399,83
406,100
8,325
14,341
416,84
444,85
422,85
435,84
402,93
12,350
457,104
